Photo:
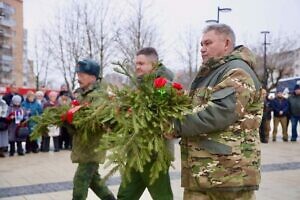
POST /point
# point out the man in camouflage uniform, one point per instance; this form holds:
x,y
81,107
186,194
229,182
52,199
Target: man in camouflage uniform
x,y
84,149
220,143
146,62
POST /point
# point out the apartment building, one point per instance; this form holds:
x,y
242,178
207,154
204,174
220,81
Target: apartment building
x,y
11,42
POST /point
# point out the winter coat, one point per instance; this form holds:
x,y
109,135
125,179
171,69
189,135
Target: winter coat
x,y
31,109
13,122
220,141
3,115
280,104
267,111
86,150
294,105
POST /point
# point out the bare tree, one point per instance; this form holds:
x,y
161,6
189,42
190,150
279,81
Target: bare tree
x,y
138,31
41,62
75,35
189,55
282,54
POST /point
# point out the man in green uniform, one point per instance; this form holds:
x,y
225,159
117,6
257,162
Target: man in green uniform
x,y
146,62
84,149
220,143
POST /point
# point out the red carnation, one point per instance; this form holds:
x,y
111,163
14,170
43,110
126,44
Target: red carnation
x,y
177,86
69,116
160,82
63,117
75,102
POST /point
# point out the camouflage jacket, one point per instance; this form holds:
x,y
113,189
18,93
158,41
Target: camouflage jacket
x,y
220,142
86,151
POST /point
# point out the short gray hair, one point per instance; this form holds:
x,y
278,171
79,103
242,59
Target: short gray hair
x,y
221,29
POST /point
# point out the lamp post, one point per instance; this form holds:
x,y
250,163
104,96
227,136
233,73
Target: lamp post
x,y
218,15
266,75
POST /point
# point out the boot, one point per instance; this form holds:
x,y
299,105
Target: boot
x,y
2,154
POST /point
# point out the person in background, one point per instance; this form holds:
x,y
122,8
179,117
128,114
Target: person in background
x,y
65,139
32,108
53,131
264,129
45,91
280,107
294,106
40,98
3,127
13,91
64,91
16,116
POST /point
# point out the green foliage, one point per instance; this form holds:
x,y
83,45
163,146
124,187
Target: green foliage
x,y
135,119
141,116
50,116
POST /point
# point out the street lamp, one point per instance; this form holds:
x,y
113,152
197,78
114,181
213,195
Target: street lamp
x,y
266,75
218,15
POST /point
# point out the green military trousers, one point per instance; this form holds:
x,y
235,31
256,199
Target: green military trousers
x,y
218,195
133,190
86,177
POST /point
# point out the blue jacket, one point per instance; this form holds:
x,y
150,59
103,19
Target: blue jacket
x,y
280,105
31,109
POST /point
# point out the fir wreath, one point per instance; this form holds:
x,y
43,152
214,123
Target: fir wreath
x,y
135,119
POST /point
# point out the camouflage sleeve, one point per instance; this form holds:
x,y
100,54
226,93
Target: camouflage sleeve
x,y
225,105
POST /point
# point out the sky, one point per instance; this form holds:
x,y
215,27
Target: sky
x,y
247,18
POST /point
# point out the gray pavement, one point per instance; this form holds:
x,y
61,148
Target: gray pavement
x,y
49,175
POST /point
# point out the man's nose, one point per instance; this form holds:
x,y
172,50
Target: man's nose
x,y
203,49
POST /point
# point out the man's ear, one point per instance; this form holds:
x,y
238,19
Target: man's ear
x,y
228,45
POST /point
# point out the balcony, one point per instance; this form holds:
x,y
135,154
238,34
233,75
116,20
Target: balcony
x,y
6,51
5,33
5,80
5,46
7,22
5,63
5,8
6,69
6,58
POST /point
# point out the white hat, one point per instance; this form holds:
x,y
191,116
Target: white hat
x,y
16,100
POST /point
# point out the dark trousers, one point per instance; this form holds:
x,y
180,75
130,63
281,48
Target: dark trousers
x,y
12,149
45,145
87,176
65,140
31,145
295,121
133,190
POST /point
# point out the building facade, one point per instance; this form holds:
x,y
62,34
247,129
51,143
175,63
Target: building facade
x,y
11,42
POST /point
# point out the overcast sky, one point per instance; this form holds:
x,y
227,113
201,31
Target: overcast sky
x,y
248,17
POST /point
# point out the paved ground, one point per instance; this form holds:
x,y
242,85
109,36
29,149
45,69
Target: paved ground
x,y
49,175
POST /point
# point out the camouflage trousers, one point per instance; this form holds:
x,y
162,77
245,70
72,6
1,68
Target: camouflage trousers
x,y
87,176
217,195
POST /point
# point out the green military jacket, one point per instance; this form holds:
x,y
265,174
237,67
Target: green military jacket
x,y
84,151
220,143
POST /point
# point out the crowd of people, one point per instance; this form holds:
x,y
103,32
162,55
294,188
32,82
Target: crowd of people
x,y
284,109
16,124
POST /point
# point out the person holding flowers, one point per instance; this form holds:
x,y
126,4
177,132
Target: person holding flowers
x,y
220,153
84,148
147,62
